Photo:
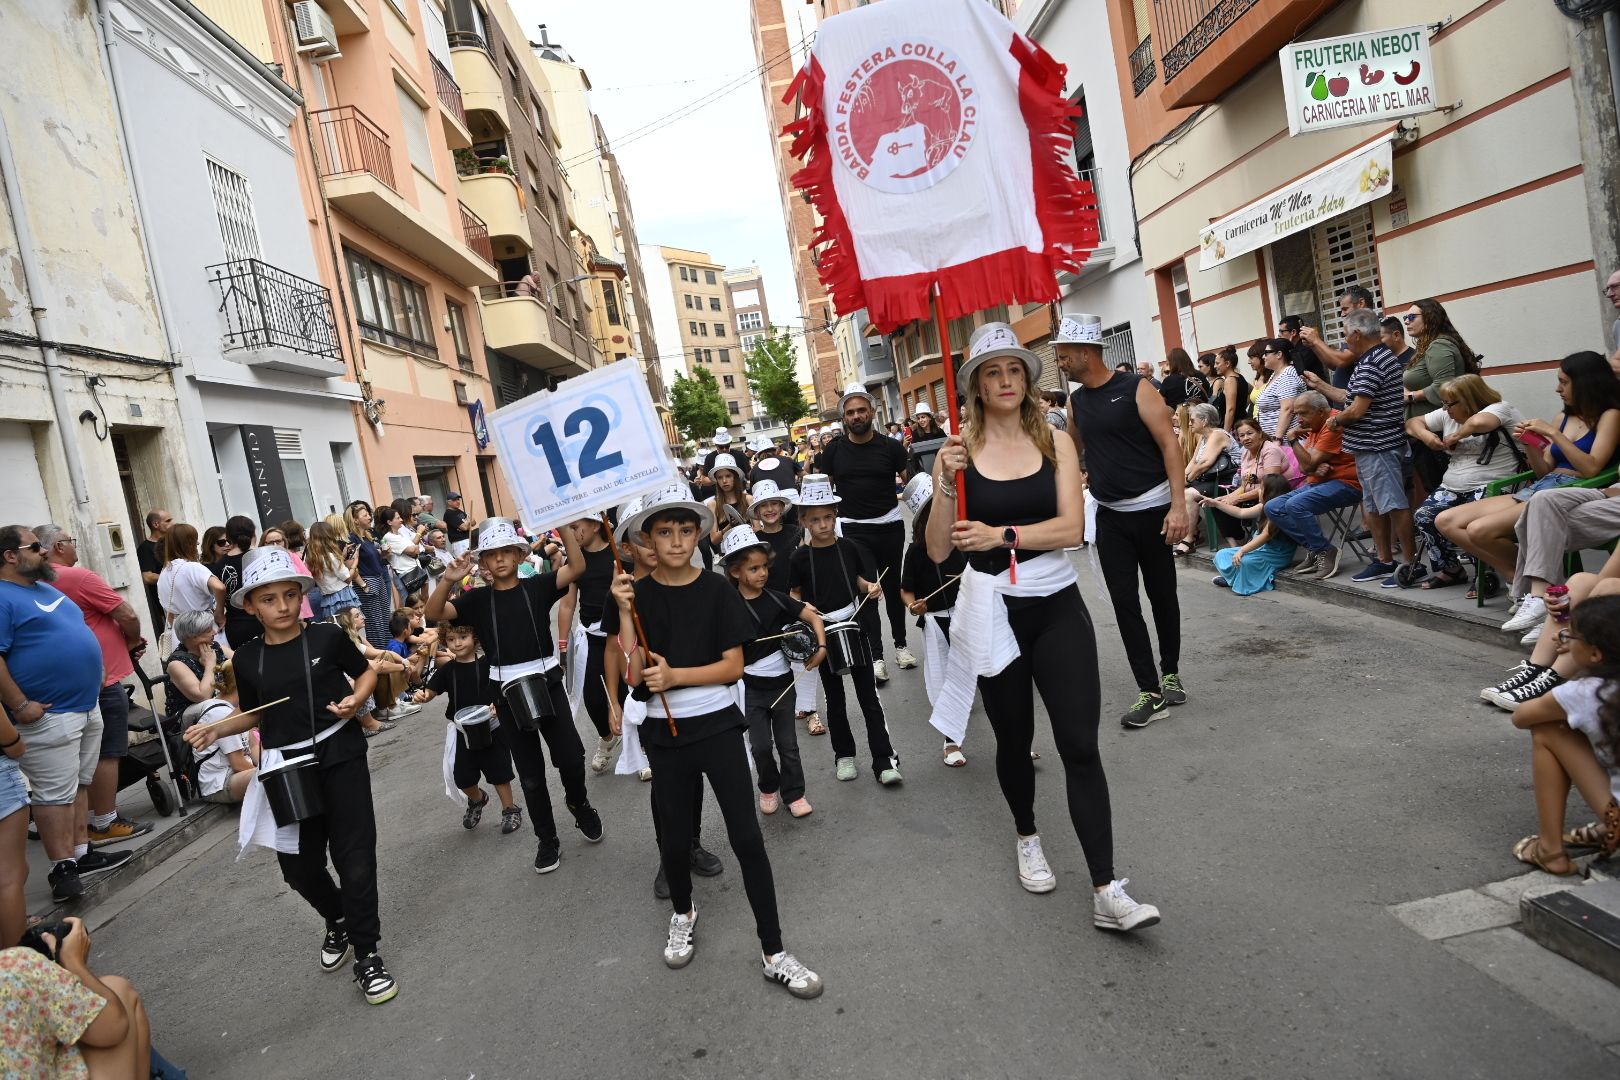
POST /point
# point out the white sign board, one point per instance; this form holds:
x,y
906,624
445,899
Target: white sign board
x,y
1358,178
1358,79
591,444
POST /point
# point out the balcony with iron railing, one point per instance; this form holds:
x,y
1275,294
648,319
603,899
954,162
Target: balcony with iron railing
x,y
452,111
1142,68
517,323
1207,46
358,180
277,320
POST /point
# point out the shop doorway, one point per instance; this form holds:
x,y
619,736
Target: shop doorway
x,y
1309,270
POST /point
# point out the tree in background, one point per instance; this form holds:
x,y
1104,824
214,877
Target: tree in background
x,y
696,404
773,375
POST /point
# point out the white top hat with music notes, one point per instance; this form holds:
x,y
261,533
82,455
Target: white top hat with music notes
x,y
816,491
268,566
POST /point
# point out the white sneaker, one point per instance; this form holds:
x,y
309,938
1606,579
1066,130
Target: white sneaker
x,y
904,659
1534,635
681,947
603,755
879,672
1532,609
1113,909
644,773
785,968
1033,873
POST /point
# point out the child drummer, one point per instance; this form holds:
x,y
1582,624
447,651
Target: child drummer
x,y
770,510
311,667
929,590
831,574
767,680
695,626
466,679
512,618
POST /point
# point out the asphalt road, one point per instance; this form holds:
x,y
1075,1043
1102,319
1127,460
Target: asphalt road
x,y
1326,766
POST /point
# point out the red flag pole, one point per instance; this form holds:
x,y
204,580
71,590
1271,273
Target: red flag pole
x,y
944,328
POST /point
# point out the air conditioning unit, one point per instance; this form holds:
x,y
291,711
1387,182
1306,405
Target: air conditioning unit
x,y
316,34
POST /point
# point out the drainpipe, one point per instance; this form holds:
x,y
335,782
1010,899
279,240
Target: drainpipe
x,y
35,283
1611,31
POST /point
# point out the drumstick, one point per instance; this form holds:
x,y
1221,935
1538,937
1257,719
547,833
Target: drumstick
x,y
635,618
250,712
868,596
937,591
790,687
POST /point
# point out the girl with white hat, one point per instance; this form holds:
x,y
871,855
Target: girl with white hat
x,y
777,525
730,503
1019,617
929,590
512,619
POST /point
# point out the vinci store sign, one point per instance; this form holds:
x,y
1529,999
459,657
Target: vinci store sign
x,y
1358,79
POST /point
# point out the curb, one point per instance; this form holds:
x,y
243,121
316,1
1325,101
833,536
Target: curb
x,y
148,856
1389,604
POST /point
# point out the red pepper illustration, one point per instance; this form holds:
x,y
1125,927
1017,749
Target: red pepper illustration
x,y
1370,77
1411,76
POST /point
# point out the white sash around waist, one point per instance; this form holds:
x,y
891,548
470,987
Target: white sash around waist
x,y
632,758
692,701
886,519
578,654
841,615
769,666
508,672
952,699
258,824
1159,496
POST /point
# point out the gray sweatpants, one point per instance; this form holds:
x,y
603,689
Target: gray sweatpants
x,y
1557,521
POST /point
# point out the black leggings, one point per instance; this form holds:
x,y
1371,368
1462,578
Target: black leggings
x,y
677,773
1057,655
595,691
348,827
887,543
877,731
567,757
1128,543
697,812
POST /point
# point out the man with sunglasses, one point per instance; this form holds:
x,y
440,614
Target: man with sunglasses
x,y
50,681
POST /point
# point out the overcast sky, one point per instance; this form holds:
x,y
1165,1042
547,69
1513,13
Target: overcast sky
x,y
706,180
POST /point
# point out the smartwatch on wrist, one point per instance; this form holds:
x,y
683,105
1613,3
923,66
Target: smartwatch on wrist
x,y
1009,537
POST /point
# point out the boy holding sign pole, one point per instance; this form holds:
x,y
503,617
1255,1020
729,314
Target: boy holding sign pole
x,y
695,626
512,618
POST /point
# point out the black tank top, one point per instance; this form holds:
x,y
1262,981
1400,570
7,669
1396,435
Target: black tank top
x,y
1122,460
594,584
1023,501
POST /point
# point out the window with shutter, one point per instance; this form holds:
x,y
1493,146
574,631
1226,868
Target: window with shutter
x,y
1344,256
233,206
414,119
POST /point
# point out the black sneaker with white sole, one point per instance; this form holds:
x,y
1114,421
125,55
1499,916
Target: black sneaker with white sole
x,y
374,980
547,858
335,948
1544,683
65,883
1516,678
1148,708
92,863
588,821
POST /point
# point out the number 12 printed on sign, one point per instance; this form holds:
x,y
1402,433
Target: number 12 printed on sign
x,y
592,444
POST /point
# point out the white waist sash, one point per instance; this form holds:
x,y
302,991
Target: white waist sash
x,y
886,519
508,672
692,701
1159,496
577,656
768,667
258,824
632,758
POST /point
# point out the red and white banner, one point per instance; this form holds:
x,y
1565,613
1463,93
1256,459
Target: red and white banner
x,y
938,149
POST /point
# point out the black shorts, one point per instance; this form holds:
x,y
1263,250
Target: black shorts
x,y
493,763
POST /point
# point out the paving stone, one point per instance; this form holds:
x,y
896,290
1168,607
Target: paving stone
x,y
1451,914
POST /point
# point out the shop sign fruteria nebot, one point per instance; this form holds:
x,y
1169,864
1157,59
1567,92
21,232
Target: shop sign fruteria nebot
x,y
1374,77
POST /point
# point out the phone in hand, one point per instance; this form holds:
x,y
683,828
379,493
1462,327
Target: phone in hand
x,y
1531,438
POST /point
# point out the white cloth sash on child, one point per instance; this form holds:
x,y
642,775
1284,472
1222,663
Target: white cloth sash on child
x,y
982,641
258,824
528,667
632,758
451,731
578,655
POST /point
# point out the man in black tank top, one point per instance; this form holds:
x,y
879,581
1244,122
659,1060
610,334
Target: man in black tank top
x,y
1134,470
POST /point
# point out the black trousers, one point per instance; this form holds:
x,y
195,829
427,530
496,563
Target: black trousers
x,y
677,773
567,757
773,735
595,691
877,731
347,828
887,543
697,812
1057,655
1128,544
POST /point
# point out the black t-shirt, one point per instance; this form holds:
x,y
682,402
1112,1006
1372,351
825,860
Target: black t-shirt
x,y
1122,458
455,525
784,541
920,576
150,562
594,584
783,472
1178,390
267,672
510,630
688,625
825,576
1304,358
465,684
240,626
772,612
863,474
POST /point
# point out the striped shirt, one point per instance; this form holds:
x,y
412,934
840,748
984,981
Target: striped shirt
x,y
1286,385
1383,426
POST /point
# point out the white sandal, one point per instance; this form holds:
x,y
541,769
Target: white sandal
x,y
954,756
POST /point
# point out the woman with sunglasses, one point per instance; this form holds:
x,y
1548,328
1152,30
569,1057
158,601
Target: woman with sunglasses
x,y
1275,405
1440,355
1475,427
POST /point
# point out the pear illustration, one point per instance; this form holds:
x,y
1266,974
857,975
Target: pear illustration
x,y
1319,89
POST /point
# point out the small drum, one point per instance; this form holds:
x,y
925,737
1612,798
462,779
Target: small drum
x,y
476,727
294,790
798,643
847,647
528,699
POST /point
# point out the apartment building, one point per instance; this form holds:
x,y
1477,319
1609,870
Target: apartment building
x,y
1474,194
704,320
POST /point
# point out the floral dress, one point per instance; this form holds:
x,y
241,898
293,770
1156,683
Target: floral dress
x,y
44,1010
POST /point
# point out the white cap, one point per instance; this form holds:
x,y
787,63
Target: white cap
x,y
816,491
671,496
722,437
991,341
496,533
739,539
855,389
268,566
919,489
1078,329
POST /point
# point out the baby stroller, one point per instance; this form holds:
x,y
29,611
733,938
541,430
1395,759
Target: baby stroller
x,y
163,762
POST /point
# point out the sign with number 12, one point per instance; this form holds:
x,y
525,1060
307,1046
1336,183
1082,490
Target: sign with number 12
x,y
593,443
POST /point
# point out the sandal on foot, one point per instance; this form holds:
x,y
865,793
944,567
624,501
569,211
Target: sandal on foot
x,y
1445,579
954,756
1589,835
1528,851
1183,548
1611,830
815,725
